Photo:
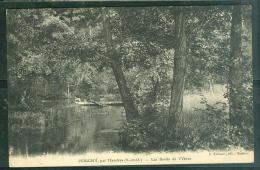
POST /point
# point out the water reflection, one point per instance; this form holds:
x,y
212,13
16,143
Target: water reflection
x,y
70,128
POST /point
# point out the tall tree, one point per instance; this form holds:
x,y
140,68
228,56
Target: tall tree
x,y
235,74
114,57
179,70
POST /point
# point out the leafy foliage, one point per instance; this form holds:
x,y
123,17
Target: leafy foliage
x,y
62,53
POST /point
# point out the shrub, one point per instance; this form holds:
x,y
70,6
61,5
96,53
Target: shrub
x,y
214,126
141,135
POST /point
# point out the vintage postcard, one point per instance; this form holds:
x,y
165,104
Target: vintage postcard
x,y
130,86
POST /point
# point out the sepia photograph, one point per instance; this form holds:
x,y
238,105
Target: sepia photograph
x,y
130,85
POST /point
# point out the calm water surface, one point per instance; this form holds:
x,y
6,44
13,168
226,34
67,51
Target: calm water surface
x,y
66,127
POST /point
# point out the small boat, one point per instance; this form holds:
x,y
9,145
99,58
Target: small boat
x,y
85,103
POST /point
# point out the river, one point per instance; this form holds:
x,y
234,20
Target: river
x,y
66,127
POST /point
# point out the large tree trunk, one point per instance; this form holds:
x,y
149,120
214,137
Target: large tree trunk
x,y
235,74
129,106
179,71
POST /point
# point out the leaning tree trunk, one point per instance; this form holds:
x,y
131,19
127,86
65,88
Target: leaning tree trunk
x,y
129,106
179,71
235,74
